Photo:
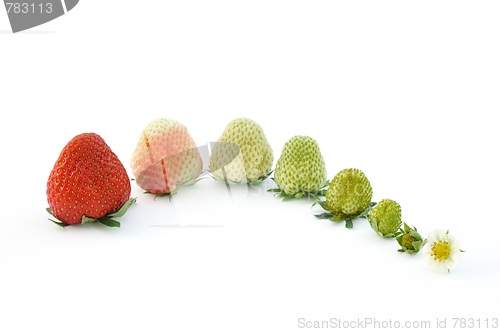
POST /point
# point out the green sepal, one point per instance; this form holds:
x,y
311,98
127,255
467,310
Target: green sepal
x,y
132,179
374,225
87,220
390,235
330,216
321,193
107,221
323,205
401,250
324,216
367,211
160,195
415,234
338,217
59,223
192,182
259,181
400,239
123,209
327,184
461,250
313,196
287,197
417,245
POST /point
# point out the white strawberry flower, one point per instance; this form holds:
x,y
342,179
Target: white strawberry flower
x,y
441,251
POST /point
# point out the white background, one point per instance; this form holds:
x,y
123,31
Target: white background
x,y
408,92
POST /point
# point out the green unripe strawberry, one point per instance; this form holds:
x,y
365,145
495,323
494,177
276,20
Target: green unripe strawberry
x,y
301,167
409,240
385,218
349,193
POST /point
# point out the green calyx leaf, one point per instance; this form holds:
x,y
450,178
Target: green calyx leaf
x,y
161,195
87,220
106,220
287,197
321,193
123,209
109,222
299,195
194,181
338,216
323,205
313,196
324,216
335,218
417,245
400,239
259,181
415,234
58,222
327,184
374,225
366,213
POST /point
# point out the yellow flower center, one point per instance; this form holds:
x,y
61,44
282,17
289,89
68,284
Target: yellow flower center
x,y
441,250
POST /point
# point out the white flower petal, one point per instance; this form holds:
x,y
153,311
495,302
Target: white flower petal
x,y
437,266
454,243
426,252
436,235
453,259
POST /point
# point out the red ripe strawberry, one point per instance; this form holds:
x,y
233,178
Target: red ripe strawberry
x,y
88,183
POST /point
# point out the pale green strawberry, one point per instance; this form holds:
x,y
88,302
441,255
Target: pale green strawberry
x,y
349,192
348,197
300,168
165,157
385,218
248,158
